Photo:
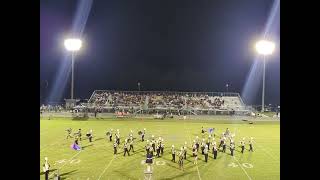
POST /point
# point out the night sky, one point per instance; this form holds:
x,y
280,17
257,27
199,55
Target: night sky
x,y
183,45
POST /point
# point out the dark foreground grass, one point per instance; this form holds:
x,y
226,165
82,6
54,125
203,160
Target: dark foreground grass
x,y
96,160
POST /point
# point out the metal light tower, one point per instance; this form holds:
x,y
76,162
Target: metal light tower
x,y
264,48
72,45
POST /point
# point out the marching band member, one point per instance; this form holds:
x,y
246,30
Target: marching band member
x,y
69,130
202,146
173,152
46,167
181,159
250,144
231,148
125,147
206,153
195,156
115,145
131,146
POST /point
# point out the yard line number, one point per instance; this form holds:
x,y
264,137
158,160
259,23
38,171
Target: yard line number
x,y
73,161
246,165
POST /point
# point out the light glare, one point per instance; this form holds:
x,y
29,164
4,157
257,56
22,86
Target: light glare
x,y
265,47
73,44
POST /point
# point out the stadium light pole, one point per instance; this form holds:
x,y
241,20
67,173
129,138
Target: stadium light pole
x,y
264,47
73,45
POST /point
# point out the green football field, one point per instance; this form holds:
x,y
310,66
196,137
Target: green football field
x,y
96,160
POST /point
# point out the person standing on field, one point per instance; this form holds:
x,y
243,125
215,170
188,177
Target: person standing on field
x,y
46,167
161,147
185,150
110,135
69,130
142,135
224,146
181,159
231,148
148,146
195,157
242,146
131,146
250,144
206,153
79,134
125,148
215,152
115,145
194,148
173,152
202,146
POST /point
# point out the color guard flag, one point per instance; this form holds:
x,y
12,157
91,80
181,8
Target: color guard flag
x,y
210,130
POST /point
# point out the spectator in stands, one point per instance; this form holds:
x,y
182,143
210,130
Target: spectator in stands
x,y
156,100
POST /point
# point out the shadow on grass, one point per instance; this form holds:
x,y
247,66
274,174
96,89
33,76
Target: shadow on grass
x,y
136,152
50,171
178,176
170,165
65,175
98,139
124,174
177,159
68,173
83,147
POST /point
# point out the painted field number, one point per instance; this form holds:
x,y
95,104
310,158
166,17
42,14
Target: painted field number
x,y
246,165
233,165
73,161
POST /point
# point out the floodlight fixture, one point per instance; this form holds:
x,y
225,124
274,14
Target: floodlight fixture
x,y
265,47
73,44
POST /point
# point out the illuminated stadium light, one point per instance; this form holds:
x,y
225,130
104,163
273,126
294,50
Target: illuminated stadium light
x,y
265,47
73,44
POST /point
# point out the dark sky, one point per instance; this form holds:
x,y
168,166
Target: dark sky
x,y
181,45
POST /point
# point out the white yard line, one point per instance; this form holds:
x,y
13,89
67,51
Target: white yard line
x,y
267,152
67,162
106,167
71,159
240,164
198,171
45,147
242,168
188,132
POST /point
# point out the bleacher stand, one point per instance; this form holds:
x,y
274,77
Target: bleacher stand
x,y
166,101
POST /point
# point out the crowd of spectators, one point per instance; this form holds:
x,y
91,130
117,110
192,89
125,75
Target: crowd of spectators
x,y
51,108
217,102
158,100
127,99
117,99
196,101
165,100
100,98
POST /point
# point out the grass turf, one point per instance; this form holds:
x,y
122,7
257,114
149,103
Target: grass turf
x,y
96,160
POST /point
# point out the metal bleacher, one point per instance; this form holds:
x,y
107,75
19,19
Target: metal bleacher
x,y
168,101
